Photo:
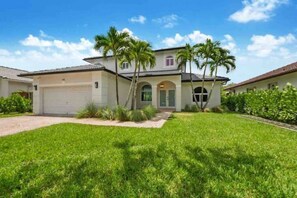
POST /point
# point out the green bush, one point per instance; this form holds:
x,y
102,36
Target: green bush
x,y
88,112
150,111
275,104
15,103
194,108
108,114
187,108
137,116
121,113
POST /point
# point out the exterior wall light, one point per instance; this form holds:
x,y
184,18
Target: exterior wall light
x,y
162,85
35,87
63,80
96,85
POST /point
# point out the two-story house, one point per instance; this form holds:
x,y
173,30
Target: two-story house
x,y
67,90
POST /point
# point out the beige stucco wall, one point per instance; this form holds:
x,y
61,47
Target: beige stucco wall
x,y
8,87
261,85
160,62
214,101
104,95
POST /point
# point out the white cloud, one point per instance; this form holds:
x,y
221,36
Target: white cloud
x,y
4,52
263,46
194,37
256,10
48,53
35,42
168,21
229,43
131,34
138,19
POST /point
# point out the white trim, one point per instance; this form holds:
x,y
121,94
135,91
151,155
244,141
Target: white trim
x,y
66,84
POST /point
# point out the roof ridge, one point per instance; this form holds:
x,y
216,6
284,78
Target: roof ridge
x,y
13,68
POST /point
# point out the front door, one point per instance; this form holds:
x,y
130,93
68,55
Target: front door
x,y
167,98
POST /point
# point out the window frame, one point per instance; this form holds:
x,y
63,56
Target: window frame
x,y
169,61
126,65
146,91
198,94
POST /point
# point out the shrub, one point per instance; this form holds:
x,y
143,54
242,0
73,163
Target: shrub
x,y
121,113
187,108
194,108
15,103
150,111
108,114
88,112
207,110
137,116
217,110
275,104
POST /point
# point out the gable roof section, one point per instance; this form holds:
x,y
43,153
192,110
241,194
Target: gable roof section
x,y
72,69
274,73
12,74
158,50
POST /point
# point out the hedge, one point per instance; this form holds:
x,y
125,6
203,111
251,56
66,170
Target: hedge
x,y
15,103
275,104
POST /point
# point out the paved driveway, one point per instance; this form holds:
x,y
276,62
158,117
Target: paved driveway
x,y
18,124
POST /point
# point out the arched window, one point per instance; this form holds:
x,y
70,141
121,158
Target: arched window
x,y
169,61
125,65
197,94
146,93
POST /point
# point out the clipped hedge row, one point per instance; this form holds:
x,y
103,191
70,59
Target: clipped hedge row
x,y
15,103
275,104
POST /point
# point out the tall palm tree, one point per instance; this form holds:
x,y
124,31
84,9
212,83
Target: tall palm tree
x,y
183,56
113,42
205,51
143,56
220,58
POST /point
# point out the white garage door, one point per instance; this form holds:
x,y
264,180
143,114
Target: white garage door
x,y
66,100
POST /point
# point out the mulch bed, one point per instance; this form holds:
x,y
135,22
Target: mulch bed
x,y
276,123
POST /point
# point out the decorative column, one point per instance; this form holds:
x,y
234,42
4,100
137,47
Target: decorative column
x,y
178,97
155,96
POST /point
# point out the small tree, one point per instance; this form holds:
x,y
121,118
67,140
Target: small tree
x,y
188,54
114,42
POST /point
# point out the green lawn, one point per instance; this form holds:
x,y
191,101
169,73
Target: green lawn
x,y
193,155
13,114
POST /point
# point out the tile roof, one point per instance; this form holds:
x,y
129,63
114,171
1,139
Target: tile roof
x,y
72,69
12,74
199,77
274,73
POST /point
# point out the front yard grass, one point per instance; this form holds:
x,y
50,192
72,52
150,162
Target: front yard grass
x,y
193,155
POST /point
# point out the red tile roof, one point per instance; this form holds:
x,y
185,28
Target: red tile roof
x,y
274,73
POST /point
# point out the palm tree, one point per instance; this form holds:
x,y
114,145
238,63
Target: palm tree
x,y
143,56
205,51
220,58
113,42
183,56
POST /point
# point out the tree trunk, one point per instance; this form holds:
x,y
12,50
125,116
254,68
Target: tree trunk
x,y
192,86
131,87
134,83
201,95
117,78
135,89
212,86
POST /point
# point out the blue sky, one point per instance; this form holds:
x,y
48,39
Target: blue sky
x,y
262,34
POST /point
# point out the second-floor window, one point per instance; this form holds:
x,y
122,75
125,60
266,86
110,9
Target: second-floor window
x,y
169,61
125,65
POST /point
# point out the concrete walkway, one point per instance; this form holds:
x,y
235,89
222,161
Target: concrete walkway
x,y
18,124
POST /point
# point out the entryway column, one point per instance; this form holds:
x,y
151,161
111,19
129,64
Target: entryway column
x,y
178,98
154,96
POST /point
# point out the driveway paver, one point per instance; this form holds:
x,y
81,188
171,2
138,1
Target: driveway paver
x,y
19,124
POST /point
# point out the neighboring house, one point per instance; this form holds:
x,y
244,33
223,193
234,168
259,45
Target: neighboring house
x,y
68,90
10,82
278,77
